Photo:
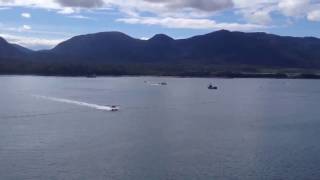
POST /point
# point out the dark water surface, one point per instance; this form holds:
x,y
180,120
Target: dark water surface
x,y
248,129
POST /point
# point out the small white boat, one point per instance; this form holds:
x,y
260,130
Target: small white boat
x,y
115,108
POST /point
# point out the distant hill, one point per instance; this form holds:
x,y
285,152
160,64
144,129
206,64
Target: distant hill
x,y
11,51
22,49
107,47
220,47
217,49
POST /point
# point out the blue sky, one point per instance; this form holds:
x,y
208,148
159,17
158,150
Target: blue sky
x,y
42,24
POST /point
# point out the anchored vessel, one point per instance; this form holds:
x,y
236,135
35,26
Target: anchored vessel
x,y
212,87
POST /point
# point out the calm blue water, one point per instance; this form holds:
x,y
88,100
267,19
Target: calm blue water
x,y
248,129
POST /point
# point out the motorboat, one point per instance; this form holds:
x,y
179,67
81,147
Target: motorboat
x,y
115,108
212,87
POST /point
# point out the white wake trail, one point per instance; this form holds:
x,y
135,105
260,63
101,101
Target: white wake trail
x,y
78,103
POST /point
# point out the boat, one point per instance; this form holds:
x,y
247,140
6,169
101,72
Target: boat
x,y
212,87
115,108
163,83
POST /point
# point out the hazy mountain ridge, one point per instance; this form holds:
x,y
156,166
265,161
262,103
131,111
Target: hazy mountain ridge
x,y
216,48
220,47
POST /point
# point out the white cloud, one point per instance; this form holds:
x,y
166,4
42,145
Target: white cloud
x,y
26,28
26,15
256,13
259,17
67,10
132,6
31,31
80,17
314,15
34,39
4,8
186,23
203,5
294,7
47,4
194,14
31,42
263,10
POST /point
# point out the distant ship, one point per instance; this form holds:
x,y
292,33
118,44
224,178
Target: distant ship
x,y
157,84
212,87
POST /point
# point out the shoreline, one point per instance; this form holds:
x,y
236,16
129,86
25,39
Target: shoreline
x,y
233,76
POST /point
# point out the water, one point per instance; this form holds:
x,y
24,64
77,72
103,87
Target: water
x,y
51,128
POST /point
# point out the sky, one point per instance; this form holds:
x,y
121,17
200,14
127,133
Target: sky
x,y
42,24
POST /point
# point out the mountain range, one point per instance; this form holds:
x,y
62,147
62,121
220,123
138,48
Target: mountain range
x,y
220,48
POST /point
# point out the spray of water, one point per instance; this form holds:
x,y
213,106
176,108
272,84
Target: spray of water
x,y
78,103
